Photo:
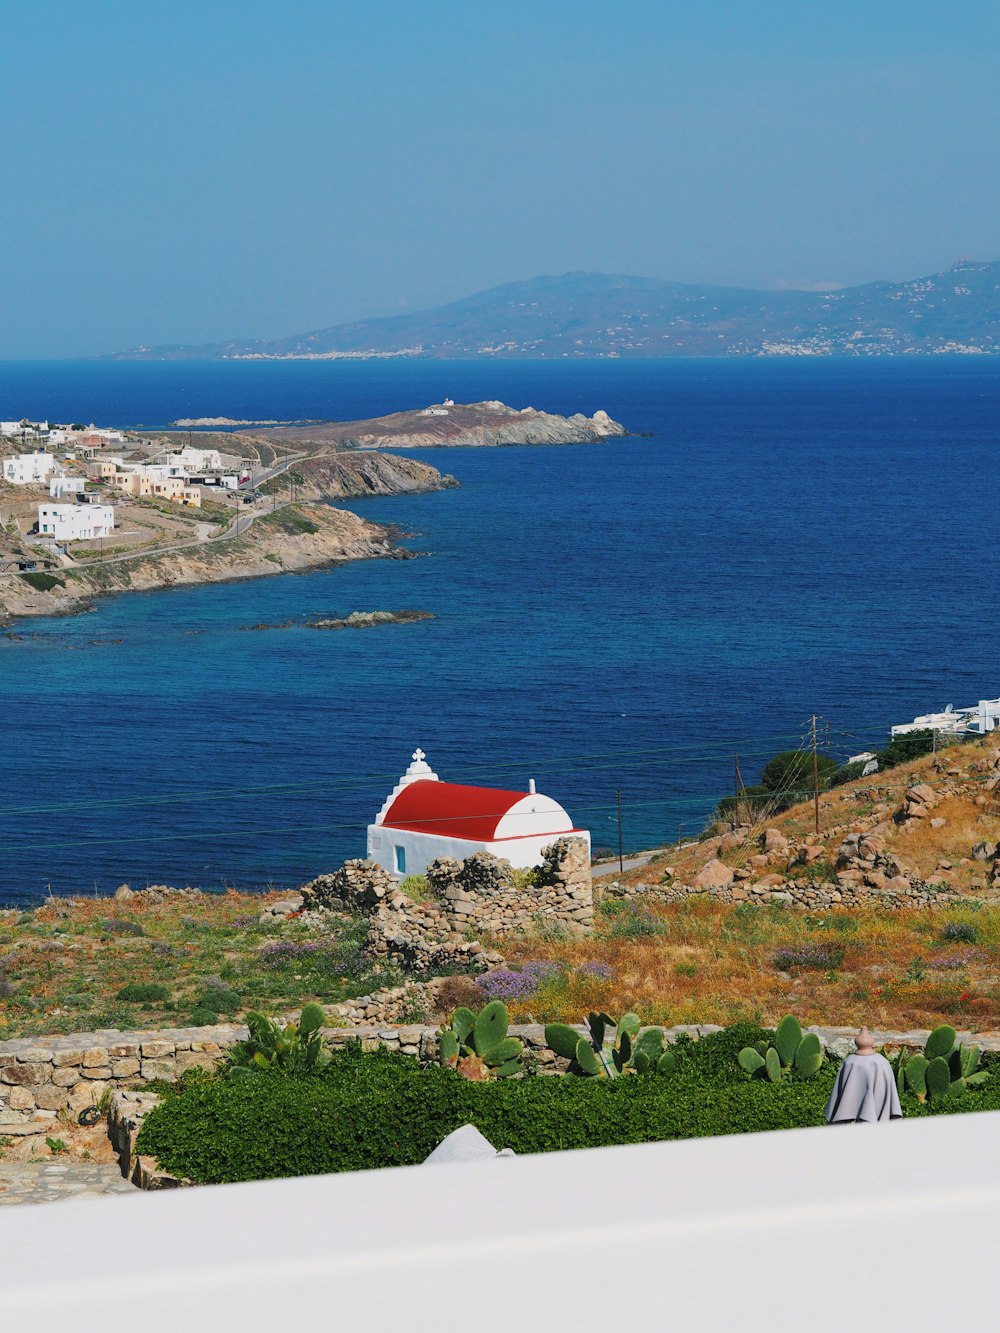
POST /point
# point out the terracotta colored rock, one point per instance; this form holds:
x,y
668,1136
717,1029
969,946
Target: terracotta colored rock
x,y
922,793
773,840
714,875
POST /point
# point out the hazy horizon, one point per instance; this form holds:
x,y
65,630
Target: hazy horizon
x,y
187,174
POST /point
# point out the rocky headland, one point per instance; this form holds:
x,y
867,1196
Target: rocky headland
x,y
446,424
292,539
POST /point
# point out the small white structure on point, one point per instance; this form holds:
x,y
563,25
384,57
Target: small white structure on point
x,y
424,818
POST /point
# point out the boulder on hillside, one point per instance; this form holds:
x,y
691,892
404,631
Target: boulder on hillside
x,y
773,840
714,875
729,842
922,794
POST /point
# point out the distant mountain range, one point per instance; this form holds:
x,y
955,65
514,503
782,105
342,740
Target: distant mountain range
x,y
595,314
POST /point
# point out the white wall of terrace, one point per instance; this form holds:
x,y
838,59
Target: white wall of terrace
x,y
859,1227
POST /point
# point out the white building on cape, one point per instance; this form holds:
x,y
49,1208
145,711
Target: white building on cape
x,y
424,817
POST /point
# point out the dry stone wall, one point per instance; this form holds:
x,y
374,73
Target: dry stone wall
x,y
481,895
45,1076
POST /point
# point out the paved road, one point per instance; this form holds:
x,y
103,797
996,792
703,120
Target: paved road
x,y
612,868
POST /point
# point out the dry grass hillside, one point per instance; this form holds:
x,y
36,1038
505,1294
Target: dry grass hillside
x,y
758,956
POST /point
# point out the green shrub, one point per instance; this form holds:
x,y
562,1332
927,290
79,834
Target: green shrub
x,y
382,1109
631,920
848,773
203,1017
527,878
902,749
791,772
42,582
290,520
144,992
416,887
367,1110
220,1001
960,930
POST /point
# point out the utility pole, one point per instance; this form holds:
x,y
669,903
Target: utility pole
x,y
815,773
621,861
740,790
736,791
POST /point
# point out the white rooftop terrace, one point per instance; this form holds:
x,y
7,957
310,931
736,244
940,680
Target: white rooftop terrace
x,y
857,1227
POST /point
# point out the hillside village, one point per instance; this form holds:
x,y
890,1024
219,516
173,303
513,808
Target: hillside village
x,y
90,474
87,510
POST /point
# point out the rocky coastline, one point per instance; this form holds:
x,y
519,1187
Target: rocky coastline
x,y
489,424
292,540
369,619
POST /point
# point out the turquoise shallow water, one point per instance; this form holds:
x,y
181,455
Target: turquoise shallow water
x,y
787,538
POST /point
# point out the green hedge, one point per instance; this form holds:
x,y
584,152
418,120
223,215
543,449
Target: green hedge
x,y
382,1109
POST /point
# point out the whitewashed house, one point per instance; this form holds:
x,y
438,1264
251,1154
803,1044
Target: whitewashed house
x,y
193,459
424,817
76,522
61,485
974,720
28,469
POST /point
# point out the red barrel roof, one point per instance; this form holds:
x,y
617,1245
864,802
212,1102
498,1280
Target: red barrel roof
x,y
451,810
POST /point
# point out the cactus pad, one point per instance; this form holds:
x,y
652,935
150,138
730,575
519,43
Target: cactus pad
x,y
508,1070
809,1055
562,1039
508,1049
587,1059
650,1043
940,1042
915,1072
750,1060
938,1077
311,1019
490,1027
448,1049
462,1022
629,1023
787,1036
772,1065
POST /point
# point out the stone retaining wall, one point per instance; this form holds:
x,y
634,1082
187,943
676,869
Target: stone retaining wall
x,y
798,893
481,895
40,1077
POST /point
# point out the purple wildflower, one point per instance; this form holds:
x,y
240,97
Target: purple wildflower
x,y
595,971
955,962
279,952
506,983
822,955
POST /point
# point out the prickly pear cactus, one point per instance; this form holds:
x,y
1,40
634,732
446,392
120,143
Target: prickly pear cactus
x,y
632,1052
477,1045
942,1069
793,1051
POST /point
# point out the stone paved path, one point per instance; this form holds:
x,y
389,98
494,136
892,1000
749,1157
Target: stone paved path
x,y
48,1182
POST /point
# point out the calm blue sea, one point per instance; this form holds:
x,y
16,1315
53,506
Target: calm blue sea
x,y
787,537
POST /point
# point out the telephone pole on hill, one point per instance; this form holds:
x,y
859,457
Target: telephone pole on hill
x,y
815,774
739,789
621,860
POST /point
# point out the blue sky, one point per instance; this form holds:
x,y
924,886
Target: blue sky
x,y
197,171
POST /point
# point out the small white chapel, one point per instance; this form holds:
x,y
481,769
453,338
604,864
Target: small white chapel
x,y
423,818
